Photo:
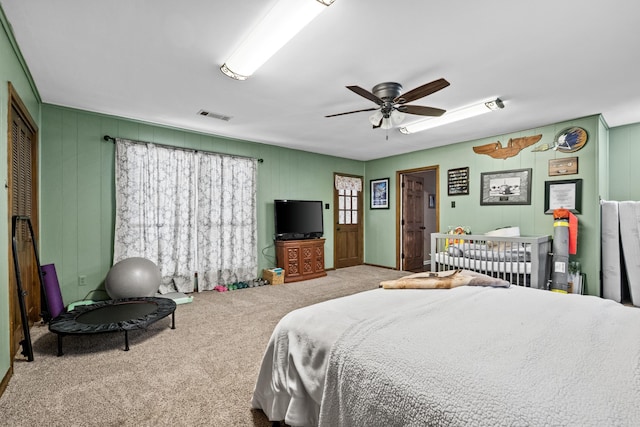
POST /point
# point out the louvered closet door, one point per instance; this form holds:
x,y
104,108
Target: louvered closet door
x,y
22,201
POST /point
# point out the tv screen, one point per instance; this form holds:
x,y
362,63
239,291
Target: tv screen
x,y
298,219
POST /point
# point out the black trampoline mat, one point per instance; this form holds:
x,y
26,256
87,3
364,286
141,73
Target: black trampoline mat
x,y
125,310
113,315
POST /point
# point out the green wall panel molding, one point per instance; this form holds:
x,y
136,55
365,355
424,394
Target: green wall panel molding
x,y
14,70
381,226
78,196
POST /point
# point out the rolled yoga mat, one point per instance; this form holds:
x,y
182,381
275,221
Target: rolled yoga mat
x,y
52,290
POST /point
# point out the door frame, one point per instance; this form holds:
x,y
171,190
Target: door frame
x,y
399,207
15,102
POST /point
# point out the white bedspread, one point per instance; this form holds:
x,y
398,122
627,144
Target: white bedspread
x,y
490,357
464,356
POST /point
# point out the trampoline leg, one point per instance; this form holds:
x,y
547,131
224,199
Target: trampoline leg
x,y
60,353
126,340
173,320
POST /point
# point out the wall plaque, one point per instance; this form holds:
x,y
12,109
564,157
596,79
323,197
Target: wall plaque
x,y
458,181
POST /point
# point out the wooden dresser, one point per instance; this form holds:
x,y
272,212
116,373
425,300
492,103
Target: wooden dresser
x,y
301,259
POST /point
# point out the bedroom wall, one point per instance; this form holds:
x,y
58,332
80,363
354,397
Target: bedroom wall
x,y
12,69
77,197
624,153
380,225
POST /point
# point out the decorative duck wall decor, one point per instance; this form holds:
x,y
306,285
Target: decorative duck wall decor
x,y
514,146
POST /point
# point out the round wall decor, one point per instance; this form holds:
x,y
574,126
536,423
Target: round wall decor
x,y
571,139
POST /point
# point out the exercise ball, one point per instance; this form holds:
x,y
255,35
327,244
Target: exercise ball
x,y
133,277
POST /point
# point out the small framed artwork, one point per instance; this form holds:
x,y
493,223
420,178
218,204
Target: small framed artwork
x,y
432,201
565,194
511,187
564,166
380,193
458,181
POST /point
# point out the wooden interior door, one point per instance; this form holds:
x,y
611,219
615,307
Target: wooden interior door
x,y
412,223
22,200
348,229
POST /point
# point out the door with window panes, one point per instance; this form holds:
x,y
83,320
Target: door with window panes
x,y
348,229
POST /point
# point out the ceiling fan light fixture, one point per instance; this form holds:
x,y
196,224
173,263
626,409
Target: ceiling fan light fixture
x,y
375,118
454,116
279,25
387,123
397,117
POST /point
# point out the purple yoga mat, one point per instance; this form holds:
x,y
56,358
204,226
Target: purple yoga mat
x,y
52,290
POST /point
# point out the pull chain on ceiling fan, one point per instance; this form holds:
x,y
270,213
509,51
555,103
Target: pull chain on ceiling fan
x,y
391,102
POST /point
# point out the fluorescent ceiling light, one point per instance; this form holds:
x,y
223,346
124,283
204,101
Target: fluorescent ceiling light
x,y
284,20
454,116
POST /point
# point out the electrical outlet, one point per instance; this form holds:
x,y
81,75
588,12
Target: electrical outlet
x,y
453,204
82,280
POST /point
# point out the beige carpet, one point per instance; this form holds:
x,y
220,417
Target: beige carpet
x,y
200,374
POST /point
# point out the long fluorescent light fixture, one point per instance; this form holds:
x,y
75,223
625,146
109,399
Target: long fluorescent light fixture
x,y
281,24
454,116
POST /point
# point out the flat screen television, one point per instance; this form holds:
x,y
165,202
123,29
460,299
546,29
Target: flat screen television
x,y
298,219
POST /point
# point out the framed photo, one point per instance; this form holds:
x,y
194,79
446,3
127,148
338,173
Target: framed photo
x,y
380,193
512,187
458,181
432,201
565,194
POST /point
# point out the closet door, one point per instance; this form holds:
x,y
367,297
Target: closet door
x,y
22,200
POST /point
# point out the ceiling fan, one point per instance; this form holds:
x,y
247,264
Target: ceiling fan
x,y
392,102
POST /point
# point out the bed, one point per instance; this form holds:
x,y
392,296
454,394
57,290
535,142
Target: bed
x,y
464,356
521,260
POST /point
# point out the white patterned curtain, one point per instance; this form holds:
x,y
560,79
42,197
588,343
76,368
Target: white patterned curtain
x,y
155,210
348,183
188,212
227,232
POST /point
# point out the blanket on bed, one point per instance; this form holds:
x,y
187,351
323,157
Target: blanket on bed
x,y
488,356
443,280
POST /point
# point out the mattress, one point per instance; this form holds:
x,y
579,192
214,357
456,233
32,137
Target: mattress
x,y
463,356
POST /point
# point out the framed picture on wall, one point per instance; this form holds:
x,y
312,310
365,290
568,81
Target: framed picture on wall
x,y
458,181
565,194
511,187
379,193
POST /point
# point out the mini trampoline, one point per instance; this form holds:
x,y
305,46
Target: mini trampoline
x,y
120,315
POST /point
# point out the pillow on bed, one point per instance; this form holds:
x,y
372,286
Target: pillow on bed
x,y
502,232
454,250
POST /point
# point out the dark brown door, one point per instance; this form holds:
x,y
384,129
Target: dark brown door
x,y
348,230
412,223
22,200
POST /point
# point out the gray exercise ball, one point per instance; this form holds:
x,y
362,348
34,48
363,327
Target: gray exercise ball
x,y
133,277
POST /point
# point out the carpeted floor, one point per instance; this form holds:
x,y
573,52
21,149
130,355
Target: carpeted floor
x,y
200,374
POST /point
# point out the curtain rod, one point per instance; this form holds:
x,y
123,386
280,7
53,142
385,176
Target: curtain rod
x,y
112,139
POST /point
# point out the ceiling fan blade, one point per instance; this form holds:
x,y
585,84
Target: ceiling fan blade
x,y
351,112
420,110
366,94
378,125
421,91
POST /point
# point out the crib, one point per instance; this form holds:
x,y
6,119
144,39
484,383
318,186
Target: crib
x,y
522,260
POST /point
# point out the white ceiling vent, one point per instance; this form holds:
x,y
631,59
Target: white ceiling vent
x,y
214,115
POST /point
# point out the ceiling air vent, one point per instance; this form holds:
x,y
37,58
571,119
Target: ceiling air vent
x,y
214,115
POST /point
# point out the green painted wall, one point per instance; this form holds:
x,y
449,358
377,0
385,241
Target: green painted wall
x,y
380,226
12,70
77,193
624,153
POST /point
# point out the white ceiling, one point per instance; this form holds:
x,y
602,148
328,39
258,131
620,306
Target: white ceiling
x,y
158,61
